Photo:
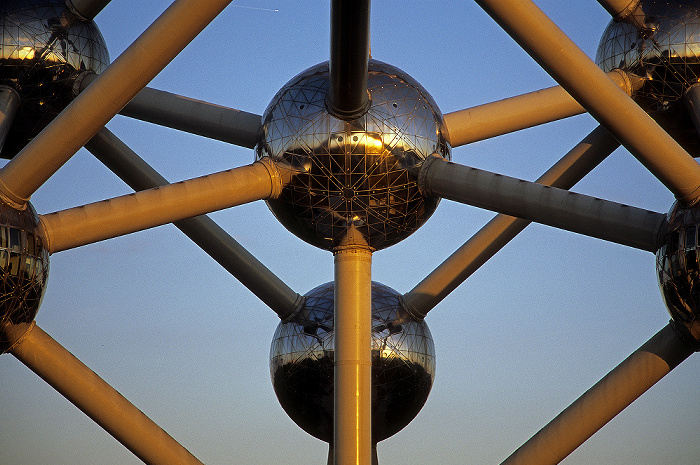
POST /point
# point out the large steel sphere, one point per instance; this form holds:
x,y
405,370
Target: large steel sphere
x,y
24,269
403,364
678,269
666,55
44,47
353,173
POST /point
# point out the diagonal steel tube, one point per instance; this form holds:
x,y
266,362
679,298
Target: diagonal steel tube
x,y
98,400
520,112
113,89
191,115
578,162
154,207
625,10
86,9
604,100
691,99
560,208
9,105
347,93
223,248
600,404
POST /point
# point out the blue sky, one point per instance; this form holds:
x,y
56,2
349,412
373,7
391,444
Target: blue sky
x,y
530,331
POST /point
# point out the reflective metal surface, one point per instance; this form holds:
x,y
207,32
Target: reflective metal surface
x,y
43,46
678,269
667,55
353,173
403,364
24,268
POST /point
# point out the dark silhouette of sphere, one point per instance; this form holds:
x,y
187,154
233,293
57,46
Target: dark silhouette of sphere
x,y
353,174
678,269
403,364
24,268
44,47
666,55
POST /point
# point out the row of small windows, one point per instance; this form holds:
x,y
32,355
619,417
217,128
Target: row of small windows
x,y
19,240
680,251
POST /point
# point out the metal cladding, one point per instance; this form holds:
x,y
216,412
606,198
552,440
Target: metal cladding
x,y
666,55
43,47
353,174
24,269
678,269
403,364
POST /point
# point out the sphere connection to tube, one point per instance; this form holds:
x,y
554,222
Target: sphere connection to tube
x,y
403,364
678,269
24,269
666,55
353,174
44,48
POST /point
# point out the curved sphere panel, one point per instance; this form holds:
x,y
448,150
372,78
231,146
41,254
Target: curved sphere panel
x,y
43,47
353,174
24,269
403,364
678,269
666,56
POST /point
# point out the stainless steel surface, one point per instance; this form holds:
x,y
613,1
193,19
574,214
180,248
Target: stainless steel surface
x,y
678,270
352,173
24,269
403,361
43,46
666,55
9,105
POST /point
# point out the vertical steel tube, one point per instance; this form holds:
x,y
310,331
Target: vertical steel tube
x,y
580,160
347,95
98,400
9,104
604,100
692,104
201,229
352,434
600,404
113,89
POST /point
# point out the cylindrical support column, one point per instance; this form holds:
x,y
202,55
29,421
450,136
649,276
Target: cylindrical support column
x,y
600,404
86,9
201,229
191,115
604,100
520,112
692,103
98,400
347,95
9,104
572,167
560,208
113,89
352,433
154,207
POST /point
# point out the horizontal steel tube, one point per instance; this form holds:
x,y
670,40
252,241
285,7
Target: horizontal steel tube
x,y
201,229
98,400
600,404
519,112
190,115
572,167
589,85
543,204
113,89
153,207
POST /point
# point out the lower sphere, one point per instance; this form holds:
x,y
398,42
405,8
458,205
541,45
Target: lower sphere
x,y
403,364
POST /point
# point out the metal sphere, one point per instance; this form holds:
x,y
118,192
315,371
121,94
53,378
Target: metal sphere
x,y
353,174
678,269
403,364
24,269
44,47
666,55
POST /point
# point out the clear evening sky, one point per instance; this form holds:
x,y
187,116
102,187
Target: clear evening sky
x,y
520,340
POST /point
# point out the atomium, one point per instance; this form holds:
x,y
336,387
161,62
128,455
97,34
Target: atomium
x,y
353,173
43,49
666,55
403,364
